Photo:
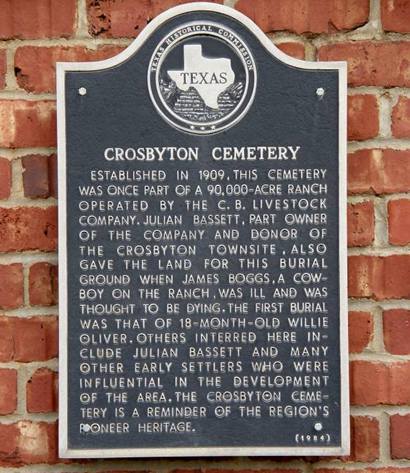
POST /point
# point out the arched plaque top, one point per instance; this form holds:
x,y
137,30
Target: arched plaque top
x,y
173,12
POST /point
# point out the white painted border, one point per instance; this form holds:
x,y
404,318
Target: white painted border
x,y
62,67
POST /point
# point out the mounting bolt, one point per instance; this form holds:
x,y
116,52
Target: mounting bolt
x,y
82,91
318,426
320,92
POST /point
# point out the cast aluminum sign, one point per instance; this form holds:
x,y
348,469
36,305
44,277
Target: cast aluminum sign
x,y
202,246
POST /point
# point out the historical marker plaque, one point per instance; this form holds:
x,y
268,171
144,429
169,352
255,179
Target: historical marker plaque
x,y
202,246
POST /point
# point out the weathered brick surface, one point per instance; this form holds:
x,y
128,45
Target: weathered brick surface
x,y
401,118
360,224
35,176
28,339
399,436
26,123
389,469
362,117
228,470
306,16
27,443
11,286
396,329
375,383
6,339
41,391
5,178
369,63
37,18
293,49
360,331
395,15
52,175
28,228
3,68
43,284
35,66
399,221
39,176
9,435
8,391
379,277
125,18
377,171
365,436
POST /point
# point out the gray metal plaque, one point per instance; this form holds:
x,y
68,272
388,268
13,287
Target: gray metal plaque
x,y
202,246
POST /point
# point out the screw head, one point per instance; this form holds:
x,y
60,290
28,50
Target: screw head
x,y
320,91
82,91
318,426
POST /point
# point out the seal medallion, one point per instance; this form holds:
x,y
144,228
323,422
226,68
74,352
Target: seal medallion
x,y
202,78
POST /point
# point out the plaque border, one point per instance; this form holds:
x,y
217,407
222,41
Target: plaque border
x,y
62,67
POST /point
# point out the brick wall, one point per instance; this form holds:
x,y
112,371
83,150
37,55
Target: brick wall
x,y
374,37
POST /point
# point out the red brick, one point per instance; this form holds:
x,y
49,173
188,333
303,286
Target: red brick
x,y
37,18
378,383
360,331
28,339
5,178
360,223
28,228
363,117
52,175
379,277
6,339
37,178
9,434
27,443
125,18
378,171
401,118
37,442
293,49
399,221
41,391
242,470
368,383
395,15
3,68
26,123
400,436
8,391
306,16
365,439
392,469
35,339
43,284
382,64
35,66
396,329
11,286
